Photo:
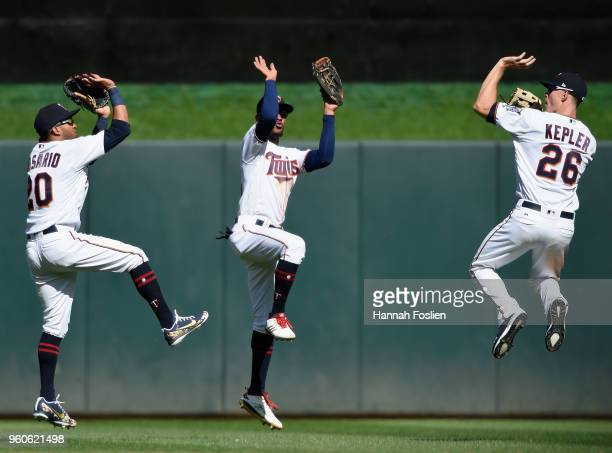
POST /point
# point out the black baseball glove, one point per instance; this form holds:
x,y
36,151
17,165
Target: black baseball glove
x,y
329,80
87,96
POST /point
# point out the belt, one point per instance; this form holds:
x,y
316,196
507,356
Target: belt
x,y
537,207
260,222
51,229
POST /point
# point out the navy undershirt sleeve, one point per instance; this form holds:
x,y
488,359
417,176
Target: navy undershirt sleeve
x,y
118,132
269,112
322,157
100,125
491,115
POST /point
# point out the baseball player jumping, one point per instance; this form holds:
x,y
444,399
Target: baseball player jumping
x,y
552,150
56,251
271,254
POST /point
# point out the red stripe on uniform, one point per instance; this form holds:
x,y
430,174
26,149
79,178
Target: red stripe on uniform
x,y
50,351
49,345
146,282
278,271
140,277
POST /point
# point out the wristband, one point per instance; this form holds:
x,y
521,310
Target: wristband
x,y
115,97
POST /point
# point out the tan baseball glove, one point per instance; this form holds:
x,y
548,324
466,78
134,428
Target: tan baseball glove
x,y
523,98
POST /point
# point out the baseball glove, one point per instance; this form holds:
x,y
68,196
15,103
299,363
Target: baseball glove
x,y
523,98
87,96
329,80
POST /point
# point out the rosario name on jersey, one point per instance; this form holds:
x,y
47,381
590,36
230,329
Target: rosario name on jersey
x,y
552,152
269,172
57,181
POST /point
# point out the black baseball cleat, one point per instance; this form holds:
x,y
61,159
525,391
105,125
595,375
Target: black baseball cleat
x,y
183,326
506,332
53,412
556,325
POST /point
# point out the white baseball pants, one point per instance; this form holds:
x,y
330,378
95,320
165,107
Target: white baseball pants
x,y
54,260
260,247
543,233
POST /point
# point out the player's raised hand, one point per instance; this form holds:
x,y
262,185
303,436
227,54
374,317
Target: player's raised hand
x,y
521,61
92,79
329,108
104,111
269,72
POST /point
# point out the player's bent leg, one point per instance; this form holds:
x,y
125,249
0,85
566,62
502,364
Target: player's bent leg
x,y
68,249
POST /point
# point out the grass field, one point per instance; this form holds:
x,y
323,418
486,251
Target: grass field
x,y
323,435
224,111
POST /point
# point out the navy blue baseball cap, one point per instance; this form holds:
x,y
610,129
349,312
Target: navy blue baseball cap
x,y
283,107
50,115
570,82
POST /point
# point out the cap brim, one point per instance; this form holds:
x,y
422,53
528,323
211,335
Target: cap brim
x,y
548,84
67,115
71,114
284,107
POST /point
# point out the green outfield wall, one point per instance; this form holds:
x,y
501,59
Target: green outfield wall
x,y
382,210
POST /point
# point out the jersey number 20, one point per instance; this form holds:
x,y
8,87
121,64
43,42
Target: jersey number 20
x,y
569,172
43,191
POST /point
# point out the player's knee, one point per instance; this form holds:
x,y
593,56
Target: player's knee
x,y
142,255
296,251
137,258
55,329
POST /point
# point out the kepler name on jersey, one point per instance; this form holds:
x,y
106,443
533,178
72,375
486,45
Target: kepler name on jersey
x,y
567,134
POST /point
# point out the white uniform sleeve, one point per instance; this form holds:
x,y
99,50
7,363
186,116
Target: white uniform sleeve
x,y
513,119
251,146
87,149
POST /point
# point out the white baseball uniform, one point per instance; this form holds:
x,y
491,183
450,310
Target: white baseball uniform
x,y
57,188
552,152
269,172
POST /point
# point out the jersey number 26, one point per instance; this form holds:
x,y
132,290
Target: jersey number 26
x,y
569,172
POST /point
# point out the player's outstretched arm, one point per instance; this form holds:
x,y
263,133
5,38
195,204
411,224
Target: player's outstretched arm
x,y
487,96
120,128
269,108
324,155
